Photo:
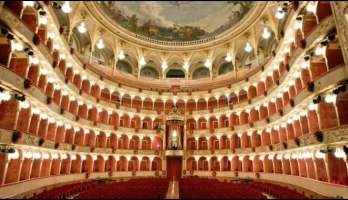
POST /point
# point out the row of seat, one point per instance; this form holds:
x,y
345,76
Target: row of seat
x,y
203,188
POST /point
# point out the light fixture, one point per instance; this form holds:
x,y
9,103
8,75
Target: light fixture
x,y
305,64
248,48
51,120
228,57
36,155
33,60
45,155
100,44
36,111
83,157
59,123
186,66
320,50
280,14
312,106
27,154
319,155
142,61
44,116
311,7
296,74
18,46
121,55
24,104
5,96
82,27
266,34
56,46
164,65
66,8
207,63
42,20
54,156
14,155
331,99
339,153
63,156
28,3
51,35
68,126
73,156
298,23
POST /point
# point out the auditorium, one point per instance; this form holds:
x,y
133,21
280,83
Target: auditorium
x,y
173,99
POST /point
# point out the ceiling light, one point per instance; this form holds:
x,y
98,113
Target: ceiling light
x,y
311,7
248,47
121,55
82,28
280,14
228,57
142,61
66,8
100,44
266,34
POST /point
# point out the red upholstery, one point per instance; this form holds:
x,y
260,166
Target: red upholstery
x,y
148,188
200,188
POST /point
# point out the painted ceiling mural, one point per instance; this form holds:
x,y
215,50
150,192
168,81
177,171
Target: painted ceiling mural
x,y
176,20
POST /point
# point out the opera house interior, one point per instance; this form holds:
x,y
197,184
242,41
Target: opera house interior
x,y
173,99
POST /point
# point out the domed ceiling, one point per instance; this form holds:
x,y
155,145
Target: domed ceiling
x,y
176,20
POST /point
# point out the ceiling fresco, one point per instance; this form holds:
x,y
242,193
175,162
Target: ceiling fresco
x,y
176,20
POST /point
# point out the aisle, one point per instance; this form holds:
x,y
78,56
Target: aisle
x,y
173,190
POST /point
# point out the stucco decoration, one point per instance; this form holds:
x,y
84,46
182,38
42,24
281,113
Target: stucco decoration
x,y
124,66
149,72
201,72
176,20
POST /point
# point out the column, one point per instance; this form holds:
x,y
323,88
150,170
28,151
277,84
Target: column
x,y
326,160
315,168
4,172
341,24
20,169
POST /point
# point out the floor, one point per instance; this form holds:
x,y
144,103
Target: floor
x,y
173,190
